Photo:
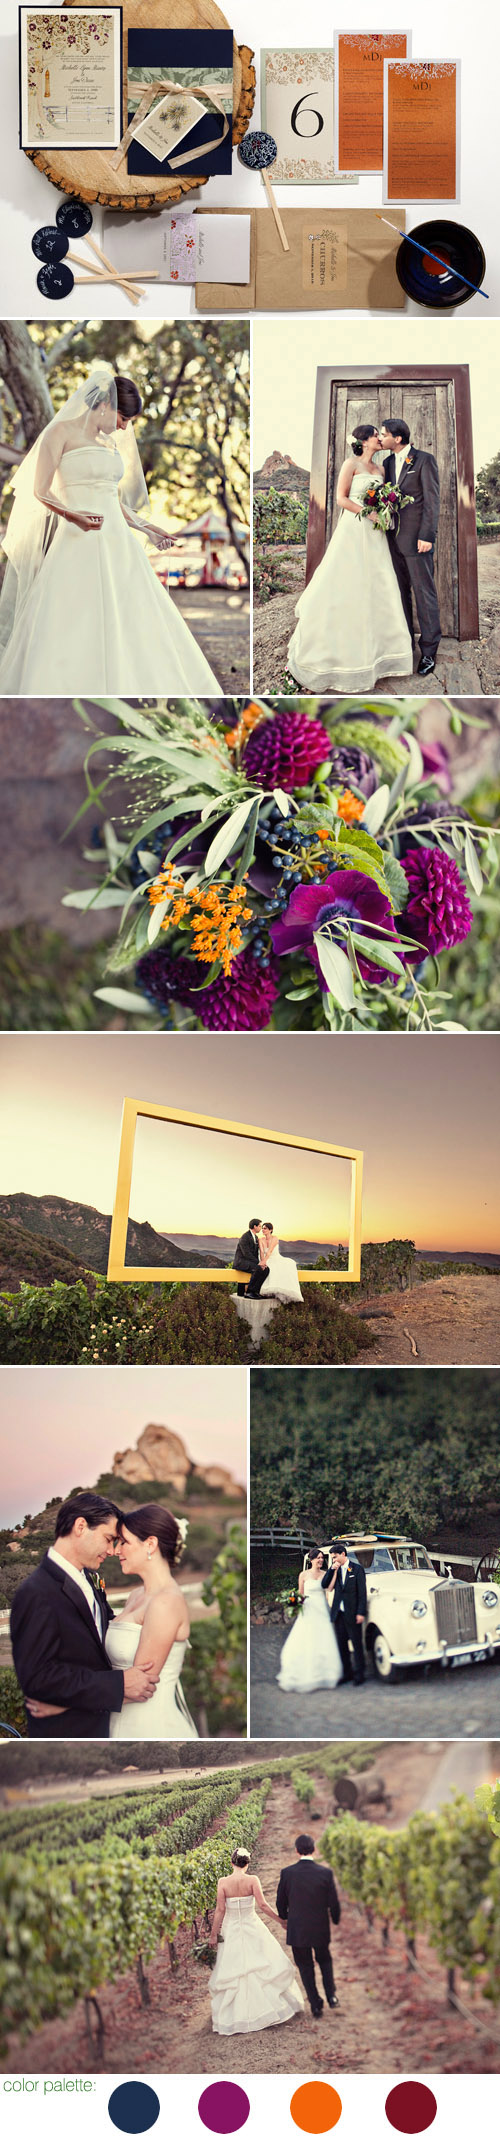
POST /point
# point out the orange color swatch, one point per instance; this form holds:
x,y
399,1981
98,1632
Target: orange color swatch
x,y
315,2107
360,95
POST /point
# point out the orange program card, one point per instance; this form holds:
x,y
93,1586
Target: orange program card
x,y
421,130
359,78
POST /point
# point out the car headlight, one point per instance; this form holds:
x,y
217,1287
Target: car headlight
x,y
418,1610
490,1599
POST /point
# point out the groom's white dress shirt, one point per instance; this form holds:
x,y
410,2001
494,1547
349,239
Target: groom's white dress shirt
x,y
73,1573
400,458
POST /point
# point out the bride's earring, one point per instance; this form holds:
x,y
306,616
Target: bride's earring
x,y
149,1551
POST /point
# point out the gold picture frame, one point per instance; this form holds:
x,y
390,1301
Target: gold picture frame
x,y
134,1109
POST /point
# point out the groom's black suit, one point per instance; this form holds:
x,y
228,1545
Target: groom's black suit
x,y
419,479
349,1603
247,1257
307,1899
59,1656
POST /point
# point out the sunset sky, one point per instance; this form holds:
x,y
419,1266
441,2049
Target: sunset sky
x,y
425,1111
60,1426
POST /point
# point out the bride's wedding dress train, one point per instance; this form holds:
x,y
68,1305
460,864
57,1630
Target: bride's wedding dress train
x,y
283,1281
351,629
96,617
310,1658
253,1983
164,1716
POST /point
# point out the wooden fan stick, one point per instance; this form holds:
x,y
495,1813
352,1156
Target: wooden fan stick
x,y
273,204
150,274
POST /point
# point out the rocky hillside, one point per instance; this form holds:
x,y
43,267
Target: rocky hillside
x,y
279,472
162,1456
83,1232
27,1258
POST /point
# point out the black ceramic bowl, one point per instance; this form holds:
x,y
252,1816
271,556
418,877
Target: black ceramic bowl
x,y
439,287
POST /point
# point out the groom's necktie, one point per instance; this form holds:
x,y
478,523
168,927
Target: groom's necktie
x,y
94,1605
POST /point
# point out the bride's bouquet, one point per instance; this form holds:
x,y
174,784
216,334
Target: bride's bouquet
x,y
281,866
290,1600
383,503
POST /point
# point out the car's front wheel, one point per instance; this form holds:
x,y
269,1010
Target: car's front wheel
x,y
382,1659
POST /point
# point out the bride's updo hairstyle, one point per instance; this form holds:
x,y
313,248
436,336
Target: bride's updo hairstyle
x,y
240,1858
360,435
155,1520
128,398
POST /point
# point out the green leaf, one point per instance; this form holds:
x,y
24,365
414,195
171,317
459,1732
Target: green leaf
x,y
300,994
120,998
97,899
472,865
282,800
375,810
336,970
397,882
416,762
227,837
247,855
155,919
380,954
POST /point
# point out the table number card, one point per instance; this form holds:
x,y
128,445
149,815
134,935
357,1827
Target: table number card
x,y
70,72
359,100
421,130
297,105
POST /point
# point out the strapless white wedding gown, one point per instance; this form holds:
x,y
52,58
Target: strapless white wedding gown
x,y
310,1658
282,1282
96,617
165,1716
351,629
253,1983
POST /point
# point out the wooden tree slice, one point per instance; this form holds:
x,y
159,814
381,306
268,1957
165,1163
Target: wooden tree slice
x,y
87,173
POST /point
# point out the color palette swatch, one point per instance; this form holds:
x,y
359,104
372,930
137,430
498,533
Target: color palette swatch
x,y
315,2107
223,2108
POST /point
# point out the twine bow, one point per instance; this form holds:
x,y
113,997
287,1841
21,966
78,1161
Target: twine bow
x,y
167,88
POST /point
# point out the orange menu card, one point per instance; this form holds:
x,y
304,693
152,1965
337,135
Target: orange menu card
x,y
421,129
359,94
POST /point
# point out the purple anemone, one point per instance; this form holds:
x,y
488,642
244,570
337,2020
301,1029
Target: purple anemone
x,y
345,895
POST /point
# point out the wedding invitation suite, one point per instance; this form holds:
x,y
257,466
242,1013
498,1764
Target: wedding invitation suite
x,y
421,130
179,123
183,245
297,108
359,94
70,71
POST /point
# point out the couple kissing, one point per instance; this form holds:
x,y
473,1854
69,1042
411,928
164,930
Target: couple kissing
x,y
258,1255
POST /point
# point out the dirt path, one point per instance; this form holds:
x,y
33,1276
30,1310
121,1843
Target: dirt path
x,y
469,667
454,1320
388,2019
220,622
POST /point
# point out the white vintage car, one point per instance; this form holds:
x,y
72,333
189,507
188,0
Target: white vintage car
x,y
414,1615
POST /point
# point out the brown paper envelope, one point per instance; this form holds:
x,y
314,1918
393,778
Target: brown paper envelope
x,y
340,259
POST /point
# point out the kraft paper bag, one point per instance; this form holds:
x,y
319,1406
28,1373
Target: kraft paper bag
x,y
340,259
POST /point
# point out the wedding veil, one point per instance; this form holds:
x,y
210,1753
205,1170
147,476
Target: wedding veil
x,y
31,525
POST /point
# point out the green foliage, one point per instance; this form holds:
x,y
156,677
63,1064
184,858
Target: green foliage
x,y
12,1702
434,1876
46,985
488,530
46,1327
227,1587
420,1450
269,577
321,1334
488,490
279,517
304,1788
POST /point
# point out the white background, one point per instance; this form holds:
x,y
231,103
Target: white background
x,y
466,29
465,2104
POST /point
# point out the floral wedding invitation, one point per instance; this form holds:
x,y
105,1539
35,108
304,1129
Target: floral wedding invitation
x,y
359,99
421,130
70,65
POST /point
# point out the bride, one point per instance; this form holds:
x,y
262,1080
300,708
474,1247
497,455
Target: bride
x,y
153,1626
282,1282
310,1657
253,1982
351,629
81,608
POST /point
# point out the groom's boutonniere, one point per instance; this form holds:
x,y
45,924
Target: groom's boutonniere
x,y
97,1582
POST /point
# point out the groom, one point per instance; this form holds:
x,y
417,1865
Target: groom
x,y
307,1900
412,545
59,1620
247,1257
348,1611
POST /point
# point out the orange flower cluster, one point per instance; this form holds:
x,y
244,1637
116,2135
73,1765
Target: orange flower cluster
x,y
216,914
349,806
249,718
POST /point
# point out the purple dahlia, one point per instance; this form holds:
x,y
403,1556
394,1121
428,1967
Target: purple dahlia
x,y
353,766
438,913
241,1002
285,751
346,895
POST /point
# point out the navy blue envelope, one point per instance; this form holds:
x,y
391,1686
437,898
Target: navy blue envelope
x,y
168,50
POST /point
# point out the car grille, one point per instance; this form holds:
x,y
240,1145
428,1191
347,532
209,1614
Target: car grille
x,y
456,1613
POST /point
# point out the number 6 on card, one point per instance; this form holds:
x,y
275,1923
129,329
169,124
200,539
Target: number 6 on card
x,y
297,108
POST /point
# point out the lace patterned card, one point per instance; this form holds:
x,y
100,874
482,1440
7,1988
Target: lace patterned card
x,y
297,107
421,130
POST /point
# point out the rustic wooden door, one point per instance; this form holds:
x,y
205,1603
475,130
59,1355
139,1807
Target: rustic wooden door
x,y
429,411
435,402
